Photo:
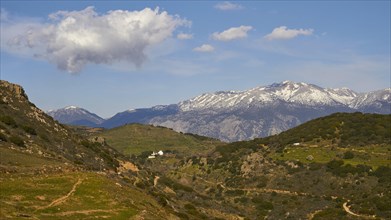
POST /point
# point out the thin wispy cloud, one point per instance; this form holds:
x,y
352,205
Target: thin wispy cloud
x,y
226,6
283,33
204,48
182,36
232,33
73,39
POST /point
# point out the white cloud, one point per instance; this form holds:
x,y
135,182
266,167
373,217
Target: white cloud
x,y
182,36
283,33
232,33
225,6
73,39
204,48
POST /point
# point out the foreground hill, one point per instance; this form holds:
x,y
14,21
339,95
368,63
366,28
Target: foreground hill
x,y
49,172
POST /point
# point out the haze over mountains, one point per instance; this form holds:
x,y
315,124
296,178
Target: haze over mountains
x,y
242,115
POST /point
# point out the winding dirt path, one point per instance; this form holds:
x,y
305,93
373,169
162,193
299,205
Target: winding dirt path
x,y
63,198
347,210
85,212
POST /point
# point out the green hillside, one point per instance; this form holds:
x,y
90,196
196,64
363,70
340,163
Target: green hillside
x,y
318,178
74,195
335,167
137,138
27,129
341,129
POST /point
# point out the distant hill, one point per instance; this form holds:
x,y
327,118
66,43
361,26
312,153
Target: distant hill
x,y
73,115
138,138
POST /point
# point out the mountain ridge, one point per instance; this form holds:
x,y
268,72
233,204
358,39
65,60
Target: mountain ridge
x,y
257,112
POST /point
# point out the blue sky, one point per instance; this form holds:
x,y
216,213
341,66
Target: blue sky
x,y
110,56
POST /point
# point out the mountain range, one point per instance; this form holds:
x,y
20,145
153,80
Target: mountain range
x,y
242,115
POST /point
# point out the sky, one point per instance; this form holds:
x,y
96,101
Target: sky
x,y
111,56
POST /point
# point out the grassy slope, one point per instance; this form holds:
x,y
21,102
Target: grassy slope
x,y
96,196
136,138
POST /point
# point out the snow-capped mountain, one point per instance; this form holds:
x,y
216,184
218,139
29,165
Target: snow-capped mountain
x,y
257,112
287,91
376,101
267,110
75,116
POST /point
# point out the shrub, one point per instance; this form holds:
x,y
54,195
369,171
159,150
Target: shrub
x,y
262,204
3,137
29,130
236,192
8,120
17,140
348,155
383,173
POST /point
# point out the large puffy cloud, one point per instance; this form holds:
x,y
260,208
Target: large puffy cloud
x,y
283,33
72,39
232,33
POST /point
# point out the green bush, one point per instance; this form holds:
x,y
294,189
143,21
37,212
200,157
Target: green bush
x,y
236,192
383,173
8,120
3,137
17,140
348,155
29,130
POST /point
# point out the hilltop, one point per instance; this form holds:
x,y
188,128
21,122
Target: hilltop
x,y
137,138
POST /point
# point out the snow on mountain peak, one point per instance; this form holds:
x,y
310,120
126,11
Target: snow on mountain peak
x,y
71,107
287,91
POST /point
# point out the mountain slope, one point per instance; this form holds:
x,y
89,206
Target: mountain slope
x,y
26,129
376,101
73,115
142,116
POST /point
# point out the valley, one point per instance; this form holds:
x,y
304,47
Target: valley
x,y
332,167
